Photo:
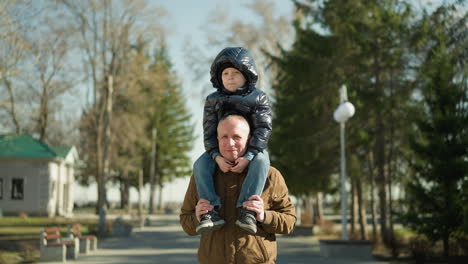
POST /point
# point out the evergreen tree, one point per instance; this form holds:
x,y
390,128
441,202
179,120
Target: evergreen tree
x,y
303,144
364,45
339,53
148,95
437,197
169,115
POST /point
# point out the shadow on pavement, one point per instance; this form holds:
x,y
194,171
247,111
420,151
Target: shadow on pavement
x,y
165,242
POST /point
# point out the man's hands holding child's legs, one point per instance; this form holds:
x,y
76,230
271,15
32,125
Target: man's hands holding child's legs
x,y
202,207
255,203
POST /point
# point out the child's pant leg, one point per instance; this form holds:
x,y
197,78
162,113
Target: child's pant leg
x,y
203,170
254,182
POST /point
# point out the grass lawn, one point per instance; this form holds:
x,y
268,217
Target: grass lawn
x,y
11,221
19,231
19,236
30,227
7,257
405,232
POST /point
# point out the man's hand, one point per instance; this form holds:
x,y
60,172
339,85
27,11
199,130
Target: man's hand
x,y
255,203
224,164
240,164
203,206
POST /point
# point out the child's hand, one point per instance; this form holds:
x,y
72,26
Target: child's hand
x,y
224,165
240,165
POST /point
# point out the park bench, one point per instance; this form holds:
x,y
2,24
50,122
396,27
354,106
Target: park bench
x,y
55,248
87,243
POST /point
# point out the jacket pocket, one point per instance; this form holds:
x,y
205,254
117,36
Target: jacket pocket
x,y
251,250
263,249
210,249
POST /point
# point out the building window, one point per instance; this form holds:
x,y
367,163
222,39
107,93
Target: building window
x,y
1,189
17,189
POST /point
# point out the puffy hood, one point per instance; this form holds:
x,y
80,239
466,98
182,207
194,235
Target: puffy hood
x,y
239,58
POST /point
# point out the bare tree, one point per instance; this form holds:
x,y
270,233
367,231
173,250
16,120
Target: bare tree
x,y
49,78
104,31
14,57
261,39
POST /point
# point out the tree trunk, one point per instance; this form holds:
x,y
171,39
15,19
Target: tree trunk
x,y
160,200
43,114
12,110
152,171
311,212
446,246
379,151
157,182
107,137
103,142
307,211
123,195
362,211
128,183
319,204
140,190
354,208
391,235
99,124
382,181
372,195
391,170
124,191
299,207
99,177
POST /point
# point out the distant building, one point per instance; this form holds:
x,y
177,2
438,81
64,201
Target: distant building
x,y
35,178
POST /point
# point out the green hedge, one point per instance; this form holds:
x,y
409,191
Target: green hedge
x,y
31,226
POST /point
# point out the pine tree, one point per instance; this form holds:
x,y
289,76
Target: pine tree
x,y
364,45
169,115
303,144
437,189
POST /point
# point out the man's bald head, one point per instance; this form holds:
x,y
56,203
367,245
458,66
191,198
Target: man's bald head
x,y
239,118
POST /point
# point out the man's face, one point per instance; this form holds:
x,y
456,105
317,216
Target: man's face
x,y
233,135
233,79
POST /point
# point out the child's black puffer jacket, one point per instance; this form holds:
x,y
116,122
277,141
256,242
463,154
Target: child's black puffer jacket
x,y
247,101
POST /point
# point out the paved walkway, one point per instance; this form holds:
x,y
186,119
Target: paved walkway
x,y
165,242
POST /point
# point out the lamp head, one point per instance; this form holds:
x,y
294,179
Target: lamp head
x,y
344,112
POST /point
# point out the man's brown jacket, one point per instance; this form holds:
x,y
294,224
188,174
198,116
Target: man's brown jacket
x,y
231,244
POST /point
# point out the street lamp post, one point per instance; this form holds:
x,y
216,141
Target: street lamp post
x,y
343,112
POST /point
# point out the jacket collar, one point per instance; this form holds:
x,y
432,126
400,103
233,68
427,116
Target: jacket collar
x,y
240,91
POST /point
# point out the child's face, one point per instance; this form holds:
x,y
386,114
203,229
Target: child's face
x,y
233,79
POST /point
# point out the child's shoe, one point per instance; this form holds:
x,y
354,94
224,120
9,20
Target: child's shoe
x,y
209,222
247,221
